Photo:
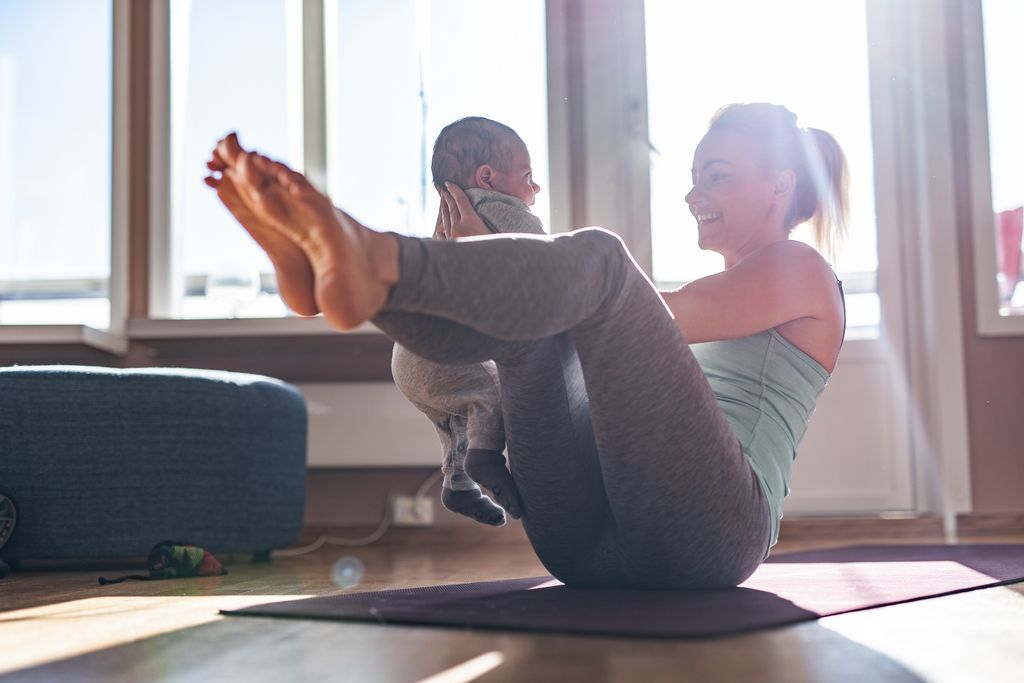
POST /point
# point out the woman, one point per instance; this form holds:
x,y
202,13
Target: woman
x,y
635,466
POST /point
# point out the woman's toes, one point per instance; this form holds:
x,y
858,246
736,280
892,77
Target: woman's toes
x,y
228,149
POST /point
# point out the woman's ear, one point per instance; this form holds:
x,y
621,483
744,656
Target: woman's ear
x,y
484,177
785,183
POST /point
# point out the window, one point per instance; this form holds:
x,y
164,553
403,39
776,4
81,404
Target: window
x,y
1004,53
395,76
55,161
391,84
818,72
218,85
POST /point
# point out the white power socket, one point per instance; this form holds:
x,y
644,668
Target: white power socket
x,y
405,511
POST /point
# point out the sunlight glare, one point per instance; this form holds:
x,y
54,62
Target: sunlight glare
x,y
469,670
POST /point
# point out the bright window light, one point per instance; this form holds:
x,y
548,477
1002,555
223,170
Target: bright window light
x,y
1004,54
397,74
807,55
218,86
55,160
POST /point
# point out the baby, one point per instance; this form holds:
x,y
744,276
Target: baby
x,y
490,161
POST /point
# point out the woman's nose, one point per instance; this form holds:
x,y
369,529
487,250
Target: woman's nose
x,y
689,198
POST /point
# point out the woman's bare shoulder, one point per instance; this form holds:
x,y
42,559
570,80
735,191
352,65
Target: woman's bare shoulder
x,y
811,279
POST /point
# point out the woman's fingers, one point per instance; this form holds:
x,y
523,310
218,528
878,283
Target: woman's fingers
x,y
466,222
439,223
463,206
450,216
454,210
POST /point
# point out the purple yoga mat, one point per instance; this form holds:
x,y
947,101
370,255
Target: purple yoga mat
x,y
786,589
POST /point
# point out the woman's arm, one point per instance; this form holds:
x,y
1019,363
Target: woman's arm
x,y
779,283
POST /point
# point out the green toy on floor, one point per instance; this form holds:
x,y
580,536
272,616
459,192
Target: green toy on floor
x,y
173,559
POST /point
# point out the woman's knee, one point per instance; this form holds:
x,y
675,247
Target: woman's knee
x,y
618,273
604,242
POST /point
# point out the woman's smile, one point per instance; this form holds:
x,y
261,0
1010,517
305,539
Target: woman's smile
x,y
709,217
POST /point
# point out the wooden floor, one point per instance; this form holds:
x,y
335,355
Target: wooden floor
x,y
58,625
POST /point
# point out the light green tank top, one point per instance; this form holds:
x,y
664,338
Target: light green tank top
x,y
767,388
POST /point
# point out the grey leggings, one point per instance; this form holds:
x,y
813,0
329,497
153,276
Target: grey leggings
x,y
629,473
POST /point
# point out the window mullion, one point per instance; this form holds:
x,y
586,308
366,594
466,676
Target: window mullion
x,y
161,268
118,284
314,91
616,182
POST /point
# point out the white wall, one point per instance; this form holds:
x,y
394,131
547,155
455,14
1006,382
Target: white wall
x,y
367,425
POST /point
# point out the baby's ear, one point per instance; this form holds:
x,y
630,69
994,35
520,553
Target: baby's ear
x,y
484,177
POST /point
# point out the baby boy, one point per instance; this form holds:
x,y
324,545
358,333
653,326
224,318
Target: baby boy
x,y
490,161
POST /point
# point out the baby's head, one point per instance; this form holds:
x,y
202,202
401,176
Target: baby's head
x,y
479,152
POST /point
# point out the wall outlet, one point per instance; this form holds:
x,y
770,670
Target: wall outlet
x,y
405,512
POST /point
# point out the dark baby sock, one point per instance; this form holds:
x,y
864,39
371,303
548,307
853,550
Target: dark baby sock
x,y
474,505
488,469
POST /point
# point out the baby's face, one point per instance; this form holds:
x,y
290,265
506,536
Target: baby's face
x,y
517,178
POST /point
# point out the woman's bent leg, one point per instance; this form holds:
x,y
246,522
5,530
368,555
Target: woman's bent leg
x,y
690,508
687,508
555,464
552,454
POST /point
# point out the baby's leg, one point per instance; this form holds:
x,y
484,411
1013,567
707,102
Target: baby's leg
x,y
472,391
460,494
414,378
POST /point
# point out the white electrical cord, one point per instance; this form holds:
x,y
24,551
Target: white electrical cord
x,y
424,487
382,528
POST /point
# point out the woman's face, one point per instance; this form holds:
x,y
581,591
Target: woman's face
x,y
733,198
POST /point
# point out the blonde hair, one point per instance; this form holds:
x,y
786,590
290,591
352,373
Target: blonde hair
x,y
821,195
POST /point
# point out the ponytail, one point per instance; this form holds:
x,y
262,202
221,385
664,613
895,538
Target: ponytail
x,y
827,192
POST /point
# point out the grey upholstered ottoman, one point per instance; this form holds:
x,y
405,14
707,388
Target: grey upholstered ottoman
x,y
105,463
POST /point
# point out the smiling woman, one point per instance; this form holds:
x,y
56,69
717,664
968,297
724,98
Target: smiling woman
x,y
814,69
806,162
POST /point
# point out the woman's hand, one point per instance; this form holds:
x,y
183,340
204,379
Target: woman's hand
x,y
457,217
439,224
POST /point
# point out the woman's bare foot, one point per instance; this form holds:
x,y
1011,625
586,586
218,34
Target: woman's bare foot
x,y
353,266
295,279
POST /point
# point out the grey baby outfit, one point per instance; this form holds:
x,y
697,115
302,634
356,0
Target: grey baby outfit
x,y
463,401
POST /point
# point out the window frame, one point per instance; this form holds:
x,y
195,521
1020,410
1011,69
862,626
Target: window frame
x,y
986,291
156,321
112,340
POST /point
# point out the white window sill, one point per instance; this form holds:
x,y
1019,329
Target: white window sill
x,y
64,334
148,328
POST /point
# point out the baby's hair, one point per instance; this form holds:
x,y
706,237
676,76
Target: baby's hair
x,y
822,176
467,144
